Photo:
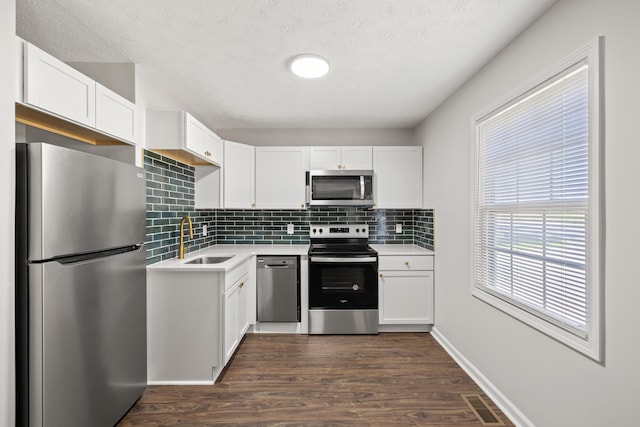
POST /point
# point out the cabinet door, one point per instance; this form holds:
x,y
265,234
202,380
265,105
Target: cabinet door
x,y
243,308
280,177
239,178
323,158
329,158
398,177
115,115
230,322
406,297
357,158
54,86
213,147
194,132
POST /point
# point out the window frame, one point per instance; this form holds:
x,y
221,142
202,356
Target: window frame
x,y
591,345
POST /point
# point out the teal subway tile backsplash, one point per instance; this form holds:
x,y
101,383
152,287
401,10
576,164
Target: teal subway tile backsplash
x,y
171,195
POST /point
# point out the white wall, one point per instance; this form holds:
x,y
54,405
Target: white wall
x,y
549,383
304,136
7,178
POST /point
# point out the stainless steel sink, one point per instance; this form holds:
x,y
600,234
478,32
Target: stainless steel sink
x,y
210,260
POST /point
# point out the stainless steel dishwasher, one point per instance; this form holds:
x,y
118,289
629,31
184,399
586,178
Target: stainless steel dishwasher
x,y
278,283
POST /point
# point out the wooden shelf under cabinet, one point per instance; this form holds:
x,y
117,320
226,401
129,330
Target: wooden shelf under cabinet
x,y
182,156
44,121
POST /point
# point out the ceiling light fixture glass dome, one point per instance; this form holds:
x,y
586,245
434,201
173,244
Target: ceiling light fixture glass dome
x,y
309,66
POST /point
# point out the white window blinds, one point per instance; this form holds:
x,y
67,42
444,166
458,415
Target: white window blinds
x,y
532,201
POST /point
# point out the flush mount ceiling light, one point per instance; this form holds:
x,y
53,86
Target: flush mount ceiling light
x,y
309,66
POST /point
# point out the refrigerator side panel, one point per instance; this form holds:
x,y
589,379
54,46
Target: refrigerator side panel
x,y
81,203
93,352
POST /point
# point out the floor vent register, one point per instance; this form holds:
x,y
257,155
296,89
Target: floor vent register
x,y
484,413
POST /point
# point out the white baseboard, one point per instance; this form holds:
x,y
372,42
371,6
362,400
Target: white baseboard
x,y
404,328
505,405
150,383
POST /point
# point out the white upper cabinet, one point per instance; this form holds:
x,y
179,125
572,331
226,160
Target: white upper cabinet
x,y
62,99
398,177
201,141
115,115
54,86
182,137
213,146
193,134
327,158
280,177
239,176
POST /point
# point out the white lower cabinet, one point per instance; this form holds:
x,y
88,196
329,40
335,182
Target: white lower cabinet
x,y
195,321
235,316
405,287
230,322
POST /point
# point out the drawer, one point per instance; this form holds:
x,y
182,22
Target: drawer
x,y
405,262
233,275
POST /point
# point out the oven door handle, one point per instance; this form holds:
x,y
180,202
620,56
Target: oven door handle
x,y
342,260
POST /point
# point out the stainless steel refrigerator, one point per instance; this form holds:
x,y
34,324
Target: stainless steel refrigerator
x,y
80,287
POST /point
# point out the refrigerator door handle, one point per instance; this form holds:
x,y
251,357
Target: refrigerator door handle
x,y
75,259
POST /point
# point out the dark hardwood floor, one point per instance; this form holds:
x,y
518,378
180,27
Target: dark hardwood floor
x,y
380,380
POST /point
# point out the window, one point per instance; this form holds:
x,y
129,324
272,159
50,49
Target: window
x,y
537,205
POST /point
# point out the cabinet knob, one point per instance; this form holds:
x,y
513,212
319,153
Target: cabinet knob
x,y
302,205
253,205
406,263
381,275
241,284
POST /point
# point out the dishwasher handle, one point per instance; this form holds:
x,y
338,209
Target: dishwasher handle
x,y
280,263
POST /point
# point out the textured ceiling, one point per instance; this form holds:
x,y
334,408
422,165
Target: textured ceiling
x,y
392,61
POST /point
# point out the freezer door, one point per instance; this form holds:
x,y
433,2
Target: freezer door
x,y
78,202
87,321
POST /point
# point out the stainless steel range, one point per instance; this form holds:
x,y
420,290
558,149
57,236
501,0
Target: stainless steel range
x,y
343,280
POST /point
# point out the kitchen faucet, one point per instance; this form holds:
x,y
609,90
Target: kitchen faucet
x,y
181,249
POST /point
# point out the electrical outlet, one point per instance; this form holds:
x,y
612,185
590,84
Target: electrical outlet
x,y
398,228
289,228
204,231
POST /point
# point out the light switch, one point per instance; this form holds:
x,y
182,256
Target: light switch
x,y
398,228
289,228
204,231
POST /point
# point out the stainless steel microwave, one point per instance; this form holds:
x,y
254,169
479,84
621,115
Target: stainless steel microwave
x,y
340,188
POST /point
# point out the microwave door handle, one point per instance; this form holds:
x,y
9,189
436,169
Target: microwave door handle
x,y
361,187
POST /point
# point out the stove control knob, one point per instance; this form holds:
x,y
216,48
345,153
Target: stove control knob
x,y
314,231
320,231
357,230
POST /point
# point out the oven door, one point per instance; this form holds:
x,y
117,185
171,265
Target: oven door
x,y
343,282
